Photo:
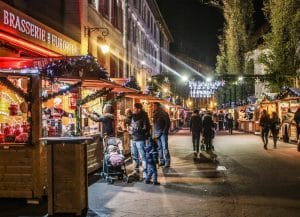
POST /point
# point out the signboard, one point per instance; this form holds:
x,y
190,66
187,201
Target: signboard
x,y
23,26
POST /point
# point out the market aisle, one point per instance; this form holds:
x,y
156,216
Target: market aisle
x,y
175,196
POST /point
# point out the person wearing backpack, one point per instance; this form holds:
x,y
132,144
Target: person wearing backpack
x,y
152,159
140,132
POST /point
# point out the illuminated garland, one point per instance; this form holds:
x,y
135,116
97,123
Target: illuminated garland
x,y
131,83
7,83
81,66
61,92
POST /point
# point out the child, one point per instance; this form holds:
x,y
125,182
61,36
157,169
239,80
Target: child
x,y
152,159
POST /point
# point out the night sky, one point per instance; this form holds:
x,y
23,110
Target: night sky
x,y
195,27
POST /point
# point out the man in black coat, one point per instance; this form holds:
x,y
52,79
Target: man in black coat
x,y
195,129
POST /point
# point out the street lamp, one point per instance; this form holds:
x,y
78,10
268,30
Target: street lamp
x,y
208,79
104,48
184,78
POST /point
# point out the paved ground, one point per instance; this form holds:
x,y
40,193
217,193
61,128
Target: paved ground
x,y
245,180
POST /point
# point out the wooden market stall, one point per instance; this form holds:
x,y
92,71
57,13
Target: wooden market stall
x,y
247,118
288,103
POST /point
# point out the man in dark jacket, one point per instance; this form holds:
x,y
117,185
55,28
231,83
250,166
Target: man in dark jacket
x,y
297,120
140,132
196,128
162,124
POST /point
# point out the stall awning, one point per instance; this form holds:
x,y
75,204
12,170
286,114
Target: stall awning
x,y
149,98
107,84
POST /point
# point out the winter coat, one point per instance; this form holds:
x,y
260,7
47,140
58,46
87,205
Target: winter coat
x,y
230,122
151,152
140,126
107,121
196,124
275,124
207,126
265,122
161,121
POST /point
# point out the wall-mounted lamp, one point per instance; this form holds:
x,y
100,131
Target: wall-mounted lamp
x,y
104,31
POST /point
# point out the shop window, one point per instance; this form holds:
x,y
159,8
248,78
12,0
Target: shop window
x,y
15,118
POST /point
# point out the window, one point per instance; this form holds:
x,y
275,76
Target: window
x,y
140,6
135,3
117,15
104,8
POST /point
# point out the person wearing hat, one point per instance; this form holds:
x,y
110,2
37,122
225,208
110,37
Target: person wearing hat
x,y
161,121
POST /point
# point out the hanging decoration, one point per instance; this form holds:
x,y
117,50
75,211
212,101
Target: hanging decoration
x,y
132,83
70,88
86,66
200,89
7,83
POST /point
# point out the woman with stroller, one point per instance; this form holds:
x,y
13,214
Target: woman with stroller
x,y
275,126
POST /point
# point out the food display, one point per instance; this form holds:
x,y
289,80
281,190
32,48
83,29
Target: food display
x,y
14,114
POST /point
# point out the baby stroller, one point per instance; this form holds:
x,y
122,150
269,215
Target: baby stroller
x,y
114,161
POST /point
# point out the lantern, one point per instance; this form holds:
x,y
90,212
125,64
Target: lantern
x,y
13,109
73,101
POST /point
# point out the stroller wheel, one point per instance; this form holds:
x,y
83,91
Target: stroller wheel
x,y
125,179
110,180
102,175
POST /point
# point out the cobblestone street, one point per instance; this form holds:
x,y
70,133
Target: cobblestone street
x,y
245,180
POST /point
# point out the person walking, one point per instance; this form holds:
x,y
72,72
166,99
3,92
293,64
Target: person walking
x,y
275,127
208,130
195,129
162,123
230,123
140,132
265,123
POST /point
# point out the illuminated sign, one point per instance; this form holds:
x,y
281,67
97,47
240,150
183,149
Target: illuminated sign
x,y
25,27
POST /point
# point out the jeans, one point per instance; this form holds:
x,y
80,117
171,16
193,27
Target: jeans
x,y
163,150
196,141
152,171
137,152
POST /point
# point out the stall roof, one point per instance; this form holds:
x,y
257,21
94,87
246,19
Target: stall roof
x,y
149,98
288,92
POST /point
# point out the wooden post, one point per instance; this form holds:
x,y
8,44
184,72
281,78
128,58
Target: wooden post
x,y
38,151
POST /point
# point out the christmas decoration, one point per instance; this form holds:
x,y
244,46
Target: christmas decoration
x,y
200,89
70,88
7,83
132,83
86,66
